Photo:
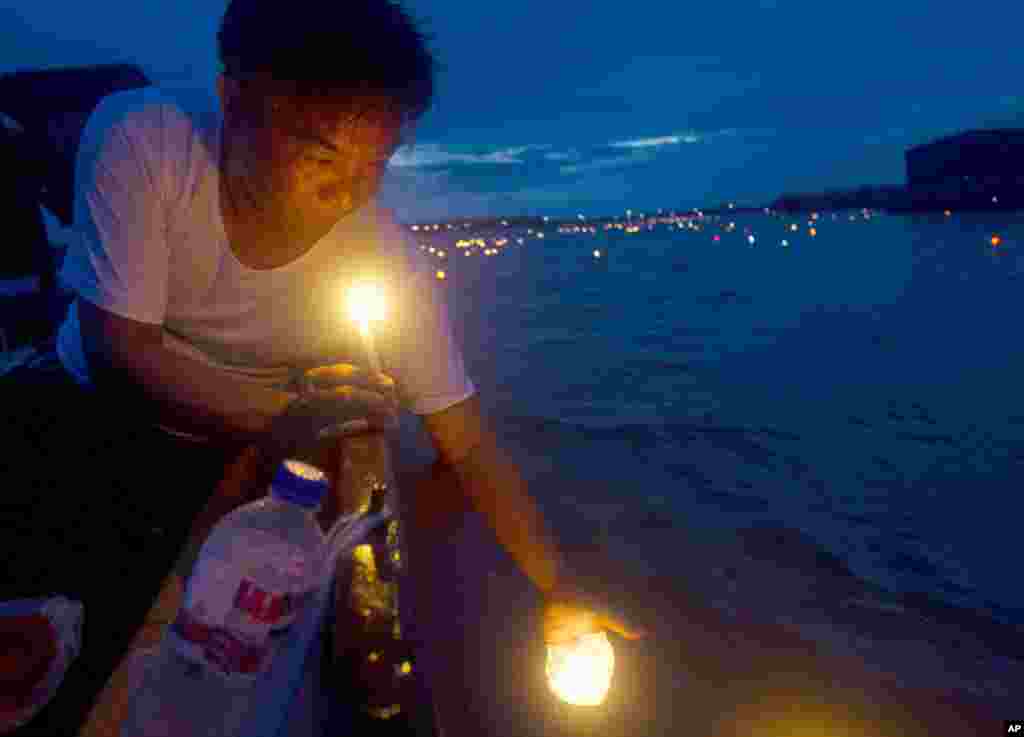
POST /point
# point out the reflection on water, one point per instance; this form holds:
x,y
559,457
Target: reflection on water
x,y
859,384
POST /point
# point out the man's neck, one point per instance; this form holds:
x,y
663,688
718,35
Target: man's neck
x,y
255,239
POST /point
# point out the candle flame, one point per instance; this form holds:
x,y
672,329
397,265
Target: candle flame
x,y
365,305
580,672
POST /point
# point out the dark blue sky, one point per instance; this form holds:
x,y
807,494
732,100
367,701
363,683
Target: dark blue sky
x,y
564,108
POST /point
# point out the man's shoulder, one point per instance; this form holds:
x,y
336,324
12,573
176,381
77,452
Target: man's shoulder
x,y
154,114
395,243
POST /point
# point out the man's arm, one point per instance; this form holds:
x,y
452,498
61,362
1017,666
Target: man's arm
x,y
497,490
128,361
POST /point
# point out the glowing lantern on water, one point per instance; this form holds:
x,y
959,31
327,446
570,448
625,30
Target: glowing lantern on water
x,y
814,232
580,672
717,238
597,253
996,240
441,275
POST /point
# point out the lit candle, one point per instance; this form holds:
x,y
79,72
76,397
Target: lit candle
x,y
366,305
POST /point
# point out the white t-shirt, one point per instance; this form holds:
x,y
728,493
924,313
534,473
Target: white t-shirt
x,y
151,246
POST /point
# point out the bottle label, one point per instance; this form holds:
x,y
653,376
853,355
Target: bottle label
x,y
239,642
262,606
219,647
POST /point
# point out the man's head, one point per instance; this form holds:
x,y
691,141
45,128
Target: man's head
x,y
317,95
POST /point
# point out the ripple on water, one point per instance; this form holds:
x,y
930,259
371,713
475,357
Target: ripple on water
x,y
904,561
731,501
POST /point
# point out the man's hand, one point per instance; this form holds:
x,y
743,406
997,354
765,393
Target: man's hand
x,y
341,375
332,400
345,374
568,616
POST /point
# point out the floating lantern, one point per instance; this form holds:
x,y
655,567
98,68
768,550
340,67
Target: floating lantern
x,y
580,672
996,240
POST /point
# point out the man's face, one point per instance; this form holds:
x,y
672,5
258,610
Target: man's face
x,y
303,166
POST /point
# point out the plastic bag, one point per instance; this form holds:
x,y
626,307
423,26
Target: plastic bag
x,y
39,639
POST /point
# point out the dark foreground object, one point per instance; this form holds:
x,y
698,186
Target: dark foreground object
x,y
94,513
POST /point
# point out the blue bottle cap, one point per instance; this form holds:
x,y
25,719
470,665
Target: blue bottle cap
x,y
299,483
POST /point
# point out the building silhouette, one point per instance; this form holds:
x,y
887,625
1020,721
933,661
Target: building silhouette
x,y
973,170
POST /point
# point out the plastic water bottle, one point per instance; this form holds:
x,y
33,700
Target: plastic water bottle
x,y
256,571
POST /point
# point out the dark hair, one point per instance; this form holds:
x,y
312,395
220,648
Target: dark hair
x,y
348,52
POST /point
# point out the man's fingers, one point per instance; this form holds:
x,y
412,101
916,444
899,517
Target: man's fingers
x,y
355,402
352,427
336,370
619,627
343,374
365,409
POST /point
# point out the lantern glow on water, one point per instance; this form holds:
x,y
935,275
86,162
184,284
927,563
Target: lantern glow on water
x,y
580,671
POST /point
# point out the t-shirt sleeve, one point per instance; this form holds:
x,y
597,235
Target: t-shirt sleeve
x,y
119,259
425,359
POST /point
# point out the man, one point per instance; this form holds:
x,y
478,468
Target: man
x,y
216,245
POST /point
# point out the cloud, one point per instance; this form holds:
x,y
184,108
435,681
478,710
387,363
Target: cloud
x,y
674,139
571,155
437,155
433,154
615,162
662,141
643,150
